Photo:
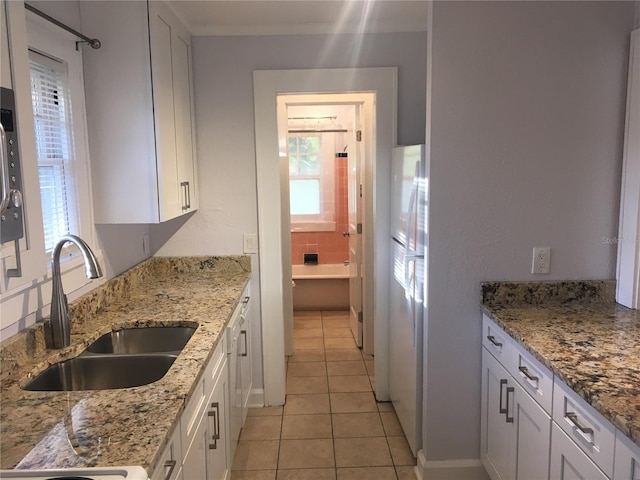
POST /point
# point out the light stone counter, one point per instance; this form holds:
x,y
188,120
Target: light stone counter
x,y
126,426
585,338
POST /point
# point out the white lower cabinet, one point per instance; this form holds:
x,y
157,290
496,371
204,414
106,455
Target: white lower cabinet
x,y
569,462
534,426
170,465
207,456
515,429
627,459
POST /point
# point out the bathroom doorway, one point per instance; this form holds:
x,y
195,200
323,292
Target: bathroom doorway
x,y
327,140
273,227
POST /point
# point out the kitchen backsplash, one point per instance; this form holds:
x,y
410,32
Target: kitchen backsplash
x,y
552,292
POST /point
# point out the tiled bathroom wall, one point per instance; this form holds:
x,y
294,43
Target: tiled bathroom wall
x,y
332,247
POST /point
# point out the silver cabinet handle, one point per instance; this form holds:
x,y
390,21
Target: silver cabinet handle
x,y
216,425
509,418
503,382
171,465
525,372
245,300
246,350
187,195
6,187
493,340
573,418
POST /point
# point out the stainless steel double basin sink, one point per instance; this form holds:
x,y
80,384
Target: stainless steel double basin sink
x,y
121,359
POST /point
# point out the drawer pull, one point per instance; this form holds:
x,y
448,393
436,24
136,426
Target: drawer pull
x,y
216,425
502,409
508,418
525,372
573,418
493,340
246,350
171,465
245,300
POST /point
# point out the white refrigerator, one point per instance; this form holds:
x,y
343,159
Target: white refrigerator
x,y
409,248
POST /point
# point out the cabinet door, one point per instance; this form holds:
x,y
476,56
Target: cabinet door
x,y
627,459
195,462
245,354
170,464
160,31
533,427
568,462
498,446
218,454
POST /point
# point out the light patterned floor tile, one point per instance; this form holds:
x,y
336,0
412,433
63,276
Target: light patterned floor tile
x,y
392,427
307,404
400,451
346,368
317,453
253,475
362,452
343,355
308,344
298,385
308,333
310,355
307,369
340,343
352,402
337,332
366,473
256,455
261,428
308,474
351,383
306,426
406,472
350,425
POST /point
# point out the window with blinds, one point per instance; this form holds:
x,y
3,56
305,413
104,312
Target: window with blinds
x,y
54,146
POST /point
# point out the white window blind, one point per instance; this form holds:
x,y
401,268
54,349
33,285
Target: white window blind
x,y
54,146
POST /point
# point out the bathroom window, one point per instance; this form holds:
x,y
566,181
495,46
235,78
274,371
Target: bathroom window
x,y
311,183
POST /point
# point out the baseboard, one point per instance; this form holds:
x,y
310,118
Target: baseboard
x,y
256,398
449,469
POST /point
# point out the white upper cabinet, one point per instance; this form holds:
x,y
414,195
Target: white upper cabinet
x,y
140,112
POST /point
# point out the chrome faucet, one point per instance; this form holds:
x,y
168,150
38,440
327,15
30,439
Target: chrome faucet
x,y
57,330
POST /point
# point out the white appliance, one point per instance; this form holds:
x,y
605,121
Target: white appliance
x,y
409,202
106,473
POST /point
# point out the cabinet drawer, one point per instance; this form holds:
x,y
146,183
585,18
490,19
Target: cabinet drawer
x,y
627,459
533,376
568,462
594,434
495,340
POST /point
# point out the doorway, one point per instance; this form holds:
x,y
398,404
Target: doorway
x,y
272,219
328,140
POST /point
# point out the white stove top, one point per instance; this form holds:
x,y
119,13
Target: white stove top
x,y
115,473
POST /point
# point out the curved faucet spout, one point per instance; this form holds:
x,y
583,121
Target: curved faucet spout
x,y
58,328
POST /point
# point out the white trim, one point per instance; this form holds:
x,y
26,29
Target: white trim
x,y
267,86
256,398
628,269
307,29
468,469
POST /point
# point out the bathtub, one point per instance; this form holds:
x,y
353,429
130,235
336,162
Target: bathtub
x,y
320,287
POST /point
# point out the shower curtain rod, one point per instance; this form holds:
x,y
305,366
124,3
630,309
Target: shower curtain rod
x,y
94,42
313,118
319,131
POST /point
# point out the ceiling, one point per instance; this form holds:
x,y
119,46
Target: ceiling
x,y
296,17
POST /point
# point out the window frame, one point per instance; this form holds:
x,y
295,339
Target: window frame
x,y
325,220
26,299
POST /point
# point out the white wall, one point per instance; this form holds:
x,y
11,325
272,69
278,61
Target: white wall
x,y
527,115
223,83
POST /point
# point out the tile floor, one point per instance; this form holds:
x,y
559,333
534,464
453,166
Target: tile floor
x,y
331,427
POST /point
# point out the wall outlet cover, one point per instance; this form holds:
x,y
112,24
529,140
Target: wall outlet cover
x,y
541,260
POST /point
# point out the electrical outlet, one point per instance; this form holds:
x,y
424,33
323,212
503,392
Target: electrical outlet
x,y
541,260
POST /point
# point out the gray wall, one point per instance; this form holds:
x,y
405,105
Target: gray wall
x,y
528,106
223,74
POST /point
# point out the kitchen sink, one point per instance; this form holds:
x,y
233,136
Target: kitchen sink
x,y
143,340
102,372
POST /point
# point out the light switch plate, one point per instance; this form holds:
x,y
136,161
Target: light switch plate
x,y
250,243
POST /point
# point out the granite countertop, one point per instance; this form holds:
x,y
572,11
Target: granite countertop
x,y
126,426
577,330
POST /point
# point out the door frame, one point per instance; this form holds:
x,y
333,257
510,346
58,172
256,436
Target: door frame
x,y
271,227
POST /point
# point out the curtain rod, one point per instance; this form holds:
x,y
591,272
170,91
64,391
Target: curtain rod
x,y
94,42
319,131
